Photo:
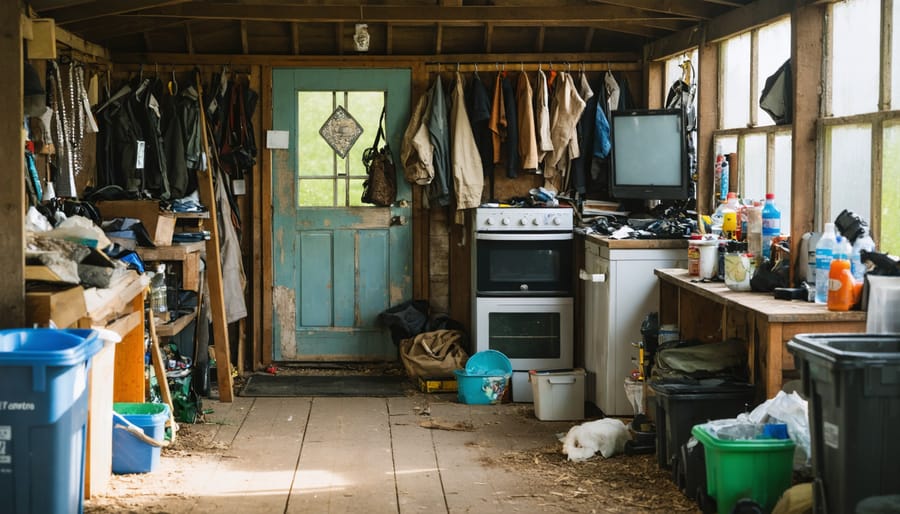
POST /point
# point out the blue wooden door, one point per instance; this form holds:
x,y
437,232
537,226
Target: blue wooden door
x,y
338,262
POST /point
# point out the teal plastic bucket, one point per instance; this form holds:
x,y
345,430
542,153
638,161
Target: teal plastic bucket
x,y
133,454
481,389
43,418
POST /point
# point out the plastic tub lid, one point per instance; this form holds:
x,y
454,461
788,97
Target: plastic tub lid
x,y
704,386
849,350
47,346
488,362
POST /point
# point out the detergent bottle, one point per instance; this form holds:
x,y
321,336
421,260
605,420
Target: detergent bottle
x,y
841,286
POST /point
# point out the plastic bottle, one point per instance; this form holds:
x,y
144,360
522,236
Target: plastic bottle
x,y
158,291
840,278
771,224
754,229
729,217
863,242
723,180
824,255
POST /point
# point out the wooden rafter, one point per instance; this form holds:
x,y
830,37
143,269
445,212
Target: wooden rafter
x,y
295,38
245,45
488,37
690,8
100,9
105,29
438,37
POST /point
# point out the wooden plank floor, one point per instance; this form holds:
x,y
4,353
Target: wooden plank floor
x,y
337,455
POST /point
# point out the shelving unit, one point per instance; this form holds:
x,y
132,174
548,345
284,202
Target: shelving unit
x,y
188,254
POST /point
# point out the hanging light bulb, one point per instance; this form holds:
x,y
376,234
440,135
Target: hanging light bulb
x,y
361,37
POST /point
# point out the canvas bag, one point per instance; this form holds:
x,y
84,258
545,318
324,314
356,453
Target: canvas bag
x,y
380,188
434,354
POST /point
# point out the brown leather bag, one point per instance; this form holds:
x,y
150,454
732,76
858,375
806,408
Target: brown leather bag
x,y
380,188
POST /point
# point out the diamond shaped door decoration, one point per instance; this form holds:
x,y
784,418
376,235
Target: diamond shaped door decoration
x,y
341,131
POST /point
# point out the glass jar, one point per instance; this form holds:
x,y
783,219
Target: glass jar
x,y
739,266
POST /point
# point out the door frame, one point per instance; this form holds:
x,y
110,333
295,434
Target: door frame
x,y
263,207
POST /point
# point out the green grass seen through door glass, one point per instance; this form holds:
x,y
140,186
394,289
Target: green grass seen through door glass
x,y
325,179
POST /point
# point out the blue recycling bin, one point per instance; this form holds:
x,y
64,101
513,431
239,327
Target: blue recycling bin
x,y
43,418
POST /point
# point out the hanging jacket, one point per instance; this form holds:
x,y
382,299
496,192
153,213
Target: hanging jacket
x,y
602,142
498,120
542,118
233,278
173,146
585,136
147,112
468,177
121,132
565,112
612,91
512,128
416,151
528,150
439,132
478,104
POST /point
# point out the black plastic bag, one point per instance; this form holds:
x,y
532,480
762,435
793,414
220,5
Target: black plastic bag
x,y
406,320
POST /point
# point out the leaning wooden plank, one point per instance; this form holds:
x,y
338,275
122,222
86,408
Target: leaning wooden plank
x,y
161,378
214,265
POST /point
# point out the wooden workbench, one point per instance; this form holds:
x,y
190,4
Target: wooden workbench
x,y
710,312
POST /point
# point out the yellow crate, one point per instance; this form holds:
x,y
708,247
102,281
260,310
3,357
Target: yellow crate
x,y
437,384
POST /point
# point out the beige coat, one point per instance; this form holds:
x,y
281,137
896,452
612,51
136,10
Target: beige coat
x,y
416,151
528,149
542,118
566,110
468,176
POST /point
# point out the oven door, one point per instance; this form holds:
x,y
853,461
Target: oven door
x,y
523,264
535,333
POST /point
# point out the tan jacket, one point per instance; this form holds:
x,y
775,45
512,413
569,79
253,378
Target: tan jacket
x,y
416,151
528,149
498,121
468,176
542,118
566,110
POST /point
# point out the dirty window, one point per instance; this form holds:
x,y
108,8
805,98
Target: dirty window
x,y
855,57
848,169
774,49
324,178
890,184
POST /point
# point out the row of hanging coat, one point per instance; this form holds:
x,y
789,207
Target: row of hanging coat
x,y
558,128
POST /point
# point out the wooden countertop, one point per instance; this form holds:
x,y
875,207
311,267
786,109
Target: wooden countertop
x,y
636,243
777,311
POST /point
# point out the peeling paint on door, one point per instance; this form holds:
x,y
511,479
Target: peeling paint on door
x,y
285,307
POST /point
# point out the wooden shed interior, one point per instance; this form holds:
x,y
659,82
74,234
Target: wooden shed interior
x,y
637,39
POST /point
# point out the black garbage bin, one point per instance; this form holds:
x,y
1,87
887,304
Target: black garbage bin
x,y
681,406
852,383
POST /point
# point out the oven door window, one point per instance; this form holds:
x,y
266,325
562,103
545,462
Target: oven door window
x,y
525,335
524,266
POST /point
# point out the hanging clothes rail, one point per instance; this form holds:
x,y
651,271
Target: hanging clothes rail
x,y
438,66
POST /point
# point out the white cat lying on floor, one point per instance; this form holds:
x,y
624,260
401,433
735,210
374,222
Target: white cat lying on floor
x,y
608,436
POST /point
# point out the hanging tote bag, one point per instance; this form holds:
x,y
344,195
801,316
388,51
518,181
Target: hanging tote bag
x,y
380,186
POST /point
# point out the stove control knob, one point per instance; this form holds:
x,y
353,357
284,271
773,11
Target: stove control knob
x,y
523,221
535,222
489,221
504,221
557,221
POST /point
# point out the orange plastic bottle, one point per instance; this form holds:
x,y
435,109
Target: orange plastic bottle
x,y
841,286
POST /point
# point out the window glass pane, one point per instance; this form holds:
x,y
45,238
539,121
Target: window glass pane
x,y
315,193
889,240
365,106
356,189
774,49
782,165
754,186
850,162
314,156
726,144
736,81
895,59
855,69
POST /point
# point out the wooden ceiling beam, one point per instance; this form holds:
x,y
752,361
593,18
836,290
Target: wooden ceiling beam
x,y
556,15
488,37
588,39
103,8
438,38
104,29
295,38
539,40
245,45
690,8
189,38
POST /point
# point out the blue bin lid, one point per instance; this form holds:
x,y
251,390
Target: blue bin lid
x,y
488,362
47,346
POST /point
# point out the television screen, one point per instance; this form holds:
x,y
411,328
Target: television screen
x,y
649,155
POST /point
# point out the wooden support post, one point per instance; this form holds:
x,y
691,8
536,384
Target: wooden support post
x,y
160,370
214,265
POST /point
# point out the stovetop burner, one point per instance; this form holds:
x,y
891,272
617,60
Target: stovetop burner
x,y
523,219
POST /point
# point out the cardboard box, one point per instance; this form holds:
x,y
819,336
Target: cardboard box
x,y
159,224
62,306
437,384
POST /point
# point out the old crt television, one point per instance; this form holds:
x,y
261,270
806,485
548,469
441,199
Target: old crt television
x,y
649,155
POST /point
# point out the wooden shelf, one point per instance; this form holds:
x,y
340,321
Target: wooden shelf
x,y
172,328
175,252
188,215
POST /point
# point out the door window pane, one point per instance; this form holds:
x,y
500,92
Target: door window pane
x,y
736,81
895,58
774,48
855,60
889,240
850,170
324,178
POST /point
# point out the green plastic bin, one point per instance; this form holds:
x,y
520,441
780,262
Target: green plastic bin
x,y
757,469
